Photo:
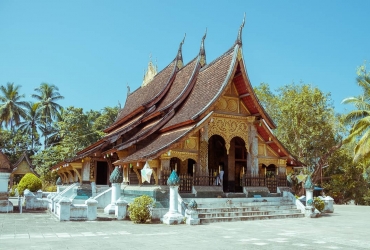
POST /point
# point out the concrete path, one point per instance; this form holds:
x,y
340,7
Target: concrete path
x,y
347,228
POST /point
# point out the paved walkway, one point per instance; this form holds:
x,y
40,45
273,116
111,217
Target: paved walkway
x,y
347,228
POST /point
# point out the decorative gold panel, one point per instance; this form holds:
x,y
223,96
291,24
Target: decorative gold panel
x,y
203,153
240,55
221,104
243,109
179,64
270,152
228,104
281,162
232,105
184,155
261,149
234,92
229,127
92,170
268,161
191,143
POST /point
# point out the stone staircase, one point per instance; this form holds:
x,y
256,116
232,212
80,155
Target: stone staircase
x,y
241,209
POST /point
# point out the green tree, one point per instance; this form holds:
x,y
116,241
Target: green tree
x,y
14,143
107,117
11,106
306,123
76,130
345,179
359,118
48,95
32,122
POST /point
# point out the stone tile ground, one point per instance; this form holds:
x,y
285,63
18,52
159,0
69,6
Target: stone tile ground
x,y
346,228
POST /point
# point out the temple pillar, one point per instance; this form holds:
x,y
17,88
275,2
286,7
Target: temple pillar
x,y
154,164
122,154
252,159
231,168
203,156
85,171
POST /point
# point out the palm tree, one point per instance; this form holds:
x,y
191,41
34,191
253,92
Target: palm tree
x,y
359,119
11,106
47,96
32,122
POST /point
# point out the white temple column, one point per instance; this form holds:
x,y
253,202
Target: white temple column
x,y
252,158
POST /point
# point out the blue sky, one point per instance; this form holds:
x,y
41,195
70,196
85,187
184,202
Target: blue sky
x,y
92,49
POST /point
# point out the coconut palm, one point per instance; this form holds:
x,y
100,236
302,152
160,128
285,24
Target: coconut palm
x,y
32,122
48,96
359,119
11,106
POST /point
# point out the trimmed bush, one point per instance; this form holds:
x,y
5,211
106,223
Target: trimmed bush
x,y
140,209
30,182
50,188
12,190
319,204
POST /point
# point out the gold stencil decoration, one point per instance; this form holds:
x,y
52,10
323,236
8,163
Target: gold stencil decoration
x,y
203,157
202,60
221,104
240,56
232,105
184,155
92,170
179,64
191,143
229,128
243,109
234,92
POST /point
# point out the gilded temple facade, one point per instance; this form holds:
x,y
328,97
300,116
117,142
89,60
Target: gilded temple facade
x,y
197,118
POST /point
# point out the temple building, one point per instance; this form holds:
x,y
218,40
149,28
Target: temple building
x,y
198,118
20,168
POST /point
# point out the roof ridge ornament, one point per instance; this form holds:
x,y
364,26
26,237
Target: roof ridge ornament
x,y
150,72
239,38
180,62
202,52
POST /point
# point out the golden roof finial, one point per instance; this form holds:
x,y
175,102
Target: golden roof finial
x,y
150,72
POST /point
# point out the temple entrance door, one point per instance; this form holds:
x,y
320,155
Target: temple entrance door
x,y
101,173
237,159
218,159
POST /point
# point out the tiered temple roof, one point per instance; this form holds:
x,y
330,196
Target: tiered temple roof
x,y
178,101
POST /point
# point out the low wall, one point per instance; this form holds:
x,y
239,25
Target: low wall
x,y
33,202
104,198
78,212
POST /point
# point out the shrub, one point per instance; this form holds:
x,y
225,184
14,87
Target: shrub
x,y
12,190
30,182
319,204
50,188
140,209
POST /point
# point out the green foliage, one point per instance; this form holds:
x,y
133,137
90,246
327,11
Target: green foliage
x,y
359,118
14,143
346,180
140,209
318,204
51,188
12,190
30,182
306,123
11,106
